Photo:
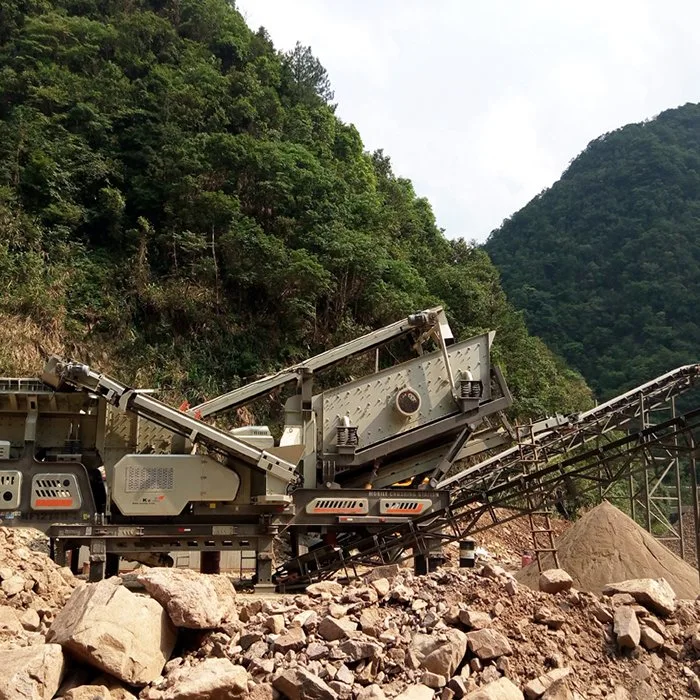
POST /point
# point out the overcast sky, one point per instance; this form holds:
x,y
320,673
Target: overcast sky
x,y
483,104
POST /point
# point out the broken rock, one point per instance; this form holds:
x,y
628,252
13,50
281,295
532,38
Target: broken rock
x,y
626,627
190,598
10,625
382,586
654,594
358,649
300,684
275,623
13,585
475,620
433,680
116,690
88,692
371,692
402,594
371,622
488,644
389,572
651,639
555,581
416,692
32,673
538,686
294,639
502,689
440,655
331,629
127,635
262,691
213,679
30,620
316,651
560,691
345,675
331,588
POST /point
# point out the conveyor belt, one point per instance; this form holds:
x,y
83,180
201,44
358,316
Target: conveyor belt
x,y
623,412
59,372
538,470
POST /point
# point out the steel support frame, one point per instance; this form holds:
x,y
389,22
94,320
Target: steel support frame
x,y
622,413
516,490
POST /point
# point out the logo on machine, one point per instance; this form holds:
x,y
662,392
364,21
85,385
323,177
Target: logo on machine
x,y
153,500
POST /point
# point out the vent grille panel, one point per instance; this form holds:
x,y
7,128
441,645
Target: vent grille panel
x,y
149,479
338,506
407,506
55,492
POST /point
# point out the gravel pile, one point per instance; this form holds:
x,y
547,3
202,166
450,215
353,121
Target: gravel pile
x,y
606,545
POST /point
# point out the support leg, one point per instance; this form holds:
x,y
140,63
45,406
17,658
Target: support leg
x,y
263,566
58,552
98,560
420,563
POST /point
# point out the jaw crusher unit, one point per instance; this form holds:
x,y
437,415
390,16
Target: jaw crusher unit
x,y
94,462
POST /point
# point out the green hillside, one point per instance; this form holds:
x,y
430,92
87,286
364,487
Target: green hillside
x,y
606,263
180,204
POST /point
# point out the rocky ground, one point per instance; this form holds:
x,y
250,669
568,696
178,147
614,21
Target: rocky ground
x,y
453,634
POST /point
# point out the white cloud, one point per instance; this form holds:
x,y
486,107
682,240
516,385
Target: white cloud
x,y
483,105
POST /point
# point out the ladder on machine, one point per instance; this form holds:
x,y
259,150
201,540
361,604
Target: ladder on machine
x,y
538,514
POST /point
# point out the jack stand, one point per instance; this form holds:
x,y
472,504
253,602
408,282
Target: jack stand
x,y
98,559
263,567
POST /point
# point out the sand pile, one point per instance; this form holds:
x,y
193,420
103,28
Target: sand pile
x,y
606,546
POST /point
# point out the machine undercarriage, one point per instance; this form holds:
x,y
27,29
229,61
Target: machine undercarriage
x,y
394,462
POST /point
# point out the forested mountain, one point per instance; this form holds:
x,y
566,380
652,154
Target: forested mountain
x,y
179,203
606,263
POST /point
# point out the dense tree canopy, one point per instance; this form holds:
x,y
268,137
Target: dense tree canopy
x,y
179,201
606,263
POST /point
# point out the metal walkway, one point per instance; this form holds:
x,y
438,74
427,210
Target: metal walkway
x,y
556,459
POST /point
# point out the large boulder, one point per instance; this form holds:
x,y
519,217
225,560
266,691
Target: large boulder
x,y
300,684
502,689
32,673
324,588
626,627
332,630
650,638
116,690
10,624
359,649
555,581
488,644
107,626
440,654
416,692
294,640
372,621
539,686
88,692
474,619
388,571
213,679
193,600
653,593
